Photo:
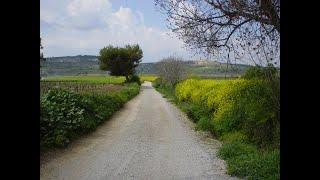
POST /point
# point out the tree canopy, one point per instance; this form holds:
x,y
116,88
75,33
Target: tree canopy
x,y
120,61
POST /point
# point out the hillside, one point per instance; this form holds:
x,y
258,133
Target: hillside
x,y
79,58
87,64
71,65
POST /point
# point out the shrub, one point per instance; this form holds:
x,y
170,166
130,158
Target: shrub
x,y
134,78
65,114
184,89
62,112
156,83
99,107
258,72
236,105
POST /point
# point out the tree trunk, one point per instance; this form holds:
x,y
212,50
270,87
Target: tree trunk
x,y
127,78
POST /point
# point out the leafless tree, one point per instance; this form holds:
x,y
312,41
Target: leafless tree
x,y
171,70
231,29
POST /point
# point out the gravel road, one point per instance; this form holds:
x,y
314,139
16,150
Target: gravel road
x,y
148,139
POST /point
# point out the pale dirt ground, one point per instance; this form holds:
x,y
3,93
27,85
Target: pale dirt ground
x,y
148,139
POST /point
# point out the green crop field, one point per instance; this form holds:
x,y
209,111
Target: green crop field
x,y
150,78
98,79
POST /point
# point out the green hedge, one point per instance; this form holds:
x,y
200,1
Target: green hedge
x,y
65,114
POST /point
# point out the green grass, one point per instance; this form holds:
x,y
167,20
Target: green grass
x,y
167,92
205,124
234,137
99,79
236,148
251,164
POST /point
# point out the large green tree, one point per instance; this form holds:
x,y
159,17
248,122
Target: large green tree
x,y
120,61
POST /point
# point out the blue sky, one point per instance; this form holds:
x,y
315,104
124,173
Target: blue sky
x,y
73,27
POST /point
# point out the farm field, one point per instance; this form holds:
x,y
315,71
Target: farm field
x,y
96,78
82,84
93,79
147,77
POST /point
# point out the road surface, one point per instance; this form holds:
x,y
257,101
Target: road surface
x,y
148,139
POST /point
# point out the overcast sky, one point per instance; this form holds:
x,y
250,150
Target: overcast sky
x,y
83,27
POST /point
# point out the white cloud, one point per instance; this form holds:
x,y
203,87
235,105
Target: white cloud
x,y
123,19
83,27
78,7
140,14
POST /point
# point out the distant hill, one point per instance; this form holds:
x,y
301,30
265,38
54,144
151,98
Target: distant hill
x,y
146,68
79,58
214,68
87,64
203,68
71,65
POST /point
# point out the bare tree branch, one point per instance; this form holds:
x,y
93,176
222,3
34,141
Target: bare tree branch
x,y
208,25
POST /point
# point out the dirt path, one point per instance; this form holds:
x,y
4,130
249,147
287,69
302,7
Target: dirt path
x,y
148,139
